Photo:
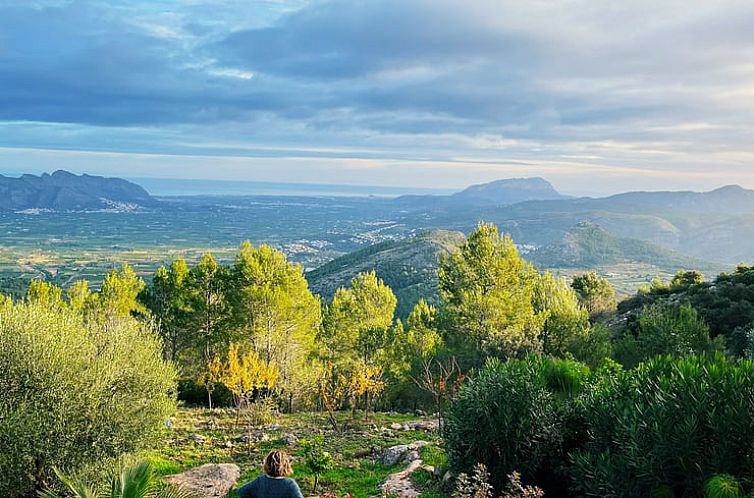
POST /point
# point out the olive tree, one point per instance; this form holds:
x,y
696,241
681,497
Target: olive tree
x,y
74,391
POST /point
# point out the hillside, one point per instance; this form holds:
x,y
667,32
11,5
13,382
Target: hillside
x,y
64,191
588,245
409,267
716,226
504,192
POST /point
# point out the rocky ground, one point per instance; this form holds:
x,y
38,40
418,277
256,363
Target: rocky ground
x,y
389,454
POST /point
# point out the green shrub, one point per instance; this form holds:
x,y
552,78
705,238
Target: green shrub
x,y
74,394
517,415
191,393
665,329
316,459
263,411
666,428
723,486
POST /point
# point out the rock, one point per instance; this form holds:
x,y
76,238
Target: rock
x,y
430,469
290,440
198,438
447,477
208,481
387,432
422,425
395,454
400,485
396,426
403,453
420,413
411,456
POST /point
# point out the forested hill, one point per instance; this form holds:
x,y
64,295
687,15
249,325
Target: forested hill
x,y
64,191
409,267
588,245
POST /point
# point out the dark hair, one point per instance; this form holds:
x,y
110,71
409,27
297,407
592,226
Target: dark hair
x,y
277,464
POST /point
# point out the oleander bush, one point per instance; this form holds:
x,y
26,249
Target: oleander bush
x,y
667,427
517,416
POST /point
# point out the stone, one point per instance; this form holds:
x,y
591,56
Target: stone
x,y
411,456
403,453
290,440
395,454
208,481
399,484
396,426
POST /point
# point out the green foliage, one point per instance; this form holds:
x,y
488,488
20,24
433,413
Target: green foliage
x,y
487,291
166,298
408,267
665,329
596,294
208,309
74,391
668,426
566,327
273,310
517,416
725,304
129,481
45,294
118,297
723,486
316,459
358,317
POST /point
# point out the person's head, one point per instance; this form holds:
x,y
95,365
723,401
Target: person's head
x,y
277,464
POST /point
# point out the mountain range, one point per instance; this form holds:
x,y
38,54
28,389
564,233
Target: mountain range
x,y
64,191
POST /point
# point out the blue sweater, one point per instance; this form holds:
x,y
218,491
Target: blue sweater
x,y
270,487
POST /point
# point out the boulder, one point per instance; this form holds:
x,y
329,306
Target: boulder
x,y
396,426
208,481
406,453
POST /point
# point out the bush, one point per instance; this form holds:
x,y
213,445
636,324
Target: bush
x,y
517,416
74,394
666,428
665,329
191,393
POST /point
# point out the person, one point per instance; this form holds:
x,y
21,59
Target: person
x,y
275,482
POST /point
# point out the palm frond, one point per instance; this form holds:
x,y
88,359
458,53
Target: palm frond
x,y
172,491
136,481
76,486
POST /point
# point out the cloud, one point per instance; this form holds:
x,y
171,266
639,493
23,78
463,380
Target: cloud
x,y
644,85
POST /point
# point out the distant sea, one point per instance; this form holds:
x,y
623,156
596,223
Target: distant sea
x,y
175,187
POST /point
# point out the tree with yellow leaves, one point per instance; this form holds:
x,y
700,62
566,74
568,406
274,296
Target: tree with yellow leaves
x,y
247,374
212,375
333,386
366,382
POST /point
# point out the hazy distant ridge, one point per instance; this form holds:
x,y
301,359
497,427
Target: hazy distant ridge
x,y
64,191
497,193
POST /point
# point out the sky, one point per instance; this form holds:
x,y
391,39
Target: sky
x,y
596,96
